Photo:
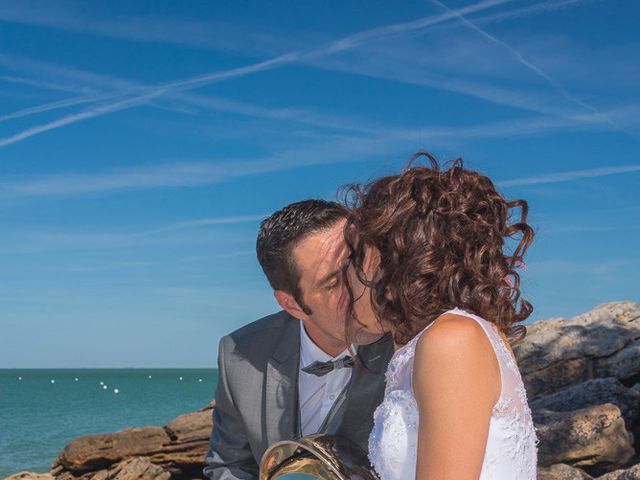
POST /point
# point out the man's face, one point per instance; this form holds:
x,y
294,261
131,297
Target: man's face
x,y
319,258
367,324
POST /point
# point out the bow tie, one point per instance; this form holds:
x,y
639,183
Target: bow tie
x,y
319,369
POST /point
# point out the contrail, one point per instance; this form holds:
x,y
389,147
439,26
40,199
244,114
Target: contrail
x,y
358,38
70,102
203,222
33,83
553,82
340,45
112,107
531,10
568,176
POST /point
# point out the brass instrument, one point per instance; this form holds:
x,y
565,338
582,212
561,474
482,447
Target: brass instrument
x,y
326,457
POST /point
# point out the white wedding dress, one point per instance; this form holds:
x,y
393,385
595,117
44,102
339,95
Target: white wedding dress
x,y
511,451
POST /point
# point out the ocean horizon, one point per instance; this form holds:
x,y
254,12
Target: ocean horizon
x,y
42,410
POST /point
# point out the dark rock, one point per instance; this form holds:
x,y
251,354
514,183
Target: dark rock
x,y
624,364
594,392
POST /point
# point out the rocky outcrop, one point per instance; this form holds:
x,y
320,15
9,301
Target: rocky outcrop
x,y
90,453
176,450
583,383
594,392
582,378
604,342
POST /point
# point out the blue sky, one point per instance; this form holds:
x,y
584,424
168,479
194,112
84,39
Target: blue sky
x,y
141,143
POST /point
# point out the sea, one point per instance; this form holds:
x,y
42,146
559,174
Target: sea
x,y
42,410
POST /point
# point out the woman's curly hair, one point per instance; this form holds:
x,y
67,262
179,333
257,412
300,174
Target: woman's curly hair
x,y
441,237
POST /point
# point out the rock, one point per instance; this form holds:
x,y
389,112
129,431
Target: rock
x,y
30,476
558,353
182,458
96,452
590,436
139,468
178,449
190,435
594,392
632,473
560,471
191,427
556,376
624,365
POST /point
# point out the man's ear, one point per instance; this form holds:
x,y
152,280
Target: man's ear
x,y
288,303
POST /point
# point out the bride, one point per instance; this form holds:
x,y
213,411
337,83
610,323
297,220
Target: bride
x,y
429,262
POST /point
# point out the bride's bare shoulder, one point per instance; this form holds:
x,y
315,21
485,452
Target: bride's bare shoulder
x,y
451,330
457,347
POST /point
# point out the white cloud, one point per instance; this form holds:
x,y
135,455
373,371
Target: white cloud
x,y
204,222
194,174
142,28
325,150
171,234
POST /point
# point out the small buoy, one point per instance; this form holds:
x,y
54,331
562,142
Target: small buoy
x,y
180,378
101,383
76,379
199,379
19,378
149,376
53,381
116,391
104,387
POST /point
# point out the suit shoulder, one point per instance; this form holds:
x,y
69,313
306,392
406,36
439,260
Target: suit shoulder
x,y
258,340
263,328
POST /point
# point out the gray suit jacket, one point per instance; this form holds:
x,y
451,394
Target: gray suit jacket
x,y
257,395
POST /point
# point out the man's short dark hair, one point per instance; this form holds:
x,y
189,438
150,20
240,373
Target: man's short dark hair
x,y
280,233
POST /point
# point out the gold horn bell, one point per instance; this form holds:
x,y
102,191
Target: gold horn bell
x,y
326,457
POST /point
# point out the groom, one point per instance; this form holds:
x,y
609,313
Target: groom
x,y
291,373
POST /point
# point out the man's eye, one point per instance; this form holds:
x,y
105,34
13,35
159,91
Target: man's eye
x,y
333,285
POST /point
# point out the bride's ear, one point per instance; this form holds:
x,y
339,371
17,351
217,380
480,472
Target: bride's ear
x,y
288,303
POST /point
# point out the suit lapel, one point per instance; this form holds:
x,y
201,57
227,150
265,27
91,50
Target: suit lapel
x,y
281,387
